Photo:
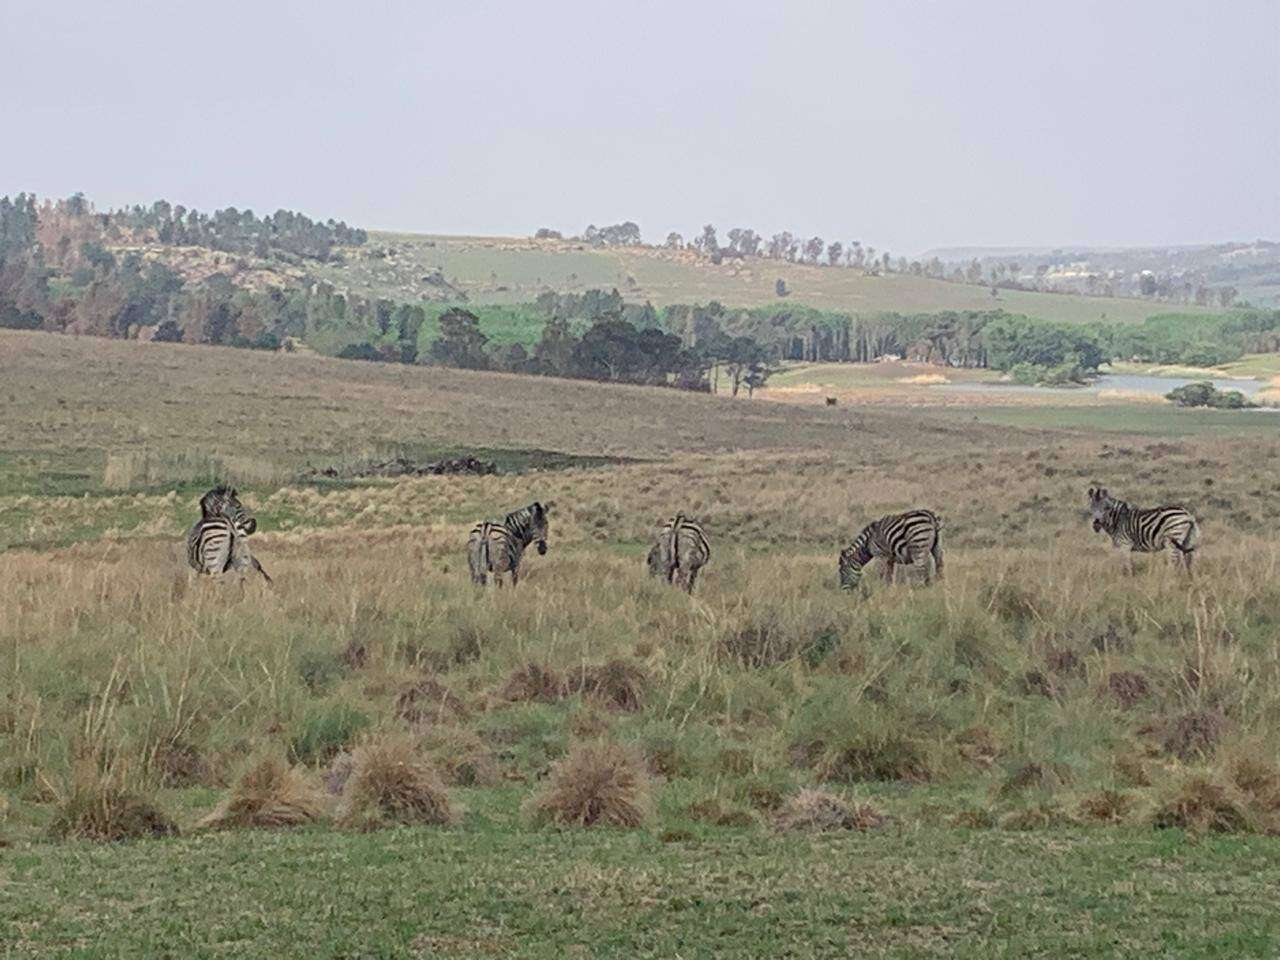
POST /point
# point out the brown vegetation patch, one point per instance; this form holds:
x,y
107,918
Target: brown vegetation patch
x,y
1127,688
1038,683
978,745
598,784
1064,662
1202,805
463,759
889,759
715,811
1033,776
974,818
1190,736
536,683
1039,816
618,684
179,764
392,782
427,700
339,772
269,794
99,806
820,810
1107,806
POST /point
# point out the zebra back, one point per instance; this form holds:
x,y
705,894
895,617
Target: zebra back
x,y
1145,530
897,538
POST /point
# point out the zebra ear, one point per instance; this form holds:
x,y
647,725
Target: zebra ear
x,y
250,526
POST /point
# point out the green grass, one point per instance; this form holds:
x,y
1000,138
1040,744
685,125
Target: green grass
x,y
491,889
1261,366
1148,420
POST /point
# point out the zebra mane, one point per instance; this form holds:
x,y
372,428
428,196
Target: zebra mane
x,y
216,499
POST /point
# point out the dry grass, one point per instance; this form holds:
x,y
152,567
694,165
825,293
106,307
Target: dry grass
x,y
1202,804
101,805
269,794
535,682
599,783
392,782
819,810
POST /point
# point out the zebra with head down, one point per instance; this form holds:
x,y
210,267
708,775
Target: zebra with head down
x,y
681,550
216,542
497,547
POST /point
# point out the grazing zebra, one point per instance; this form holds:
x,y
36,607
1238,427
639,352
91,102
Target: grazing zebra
x,y
496,548
898,538
1145,531
216,542
681,551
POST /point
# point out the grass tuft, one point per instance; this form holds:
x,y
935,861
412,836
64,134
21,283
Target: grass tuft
x,y
600,783
392,782
820,810
100,805
269,794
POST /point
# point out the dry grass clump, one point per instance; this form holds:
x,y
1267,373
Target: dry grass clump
x,y
269,794
181,765
427,700
886,758
99,805
715,811
461,756
1039,684
974,818
978,745
1107,806
1127,688
392,782
1200,804
339,772
618,684
535,683
598,784
1045,778
1037,816
1192,735
820,810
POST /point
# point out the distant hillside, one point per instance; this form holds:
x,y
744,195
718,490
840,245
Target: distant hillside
x,y
511,270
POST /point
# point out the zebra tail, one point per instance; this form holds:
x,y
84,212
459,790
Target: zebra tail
x,y
257,566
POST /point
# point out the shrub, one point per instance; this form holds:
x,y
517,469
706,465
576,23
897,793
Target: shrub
x,y
599,784
270,794
1205,394
1200,804
392,782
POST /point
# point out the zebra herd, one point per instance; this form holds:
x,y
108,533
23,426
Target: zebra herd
x,y
216,543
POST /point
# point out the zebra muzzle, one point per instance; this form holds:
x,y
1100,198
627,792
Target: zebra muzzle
x,y
542,547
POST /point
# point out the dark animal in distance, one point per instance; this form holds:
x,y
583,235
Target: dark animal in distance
x,y
217,542
1145,530
497,547
681,550
900,538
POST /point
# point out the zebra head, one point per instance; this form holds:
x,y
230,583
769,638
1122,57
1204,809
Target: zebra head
x,y
1101,506
530,525
223,501
852,559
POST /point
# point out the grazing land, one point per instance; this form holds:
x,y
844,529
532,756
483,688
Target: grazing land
x,y
511,270
1043,754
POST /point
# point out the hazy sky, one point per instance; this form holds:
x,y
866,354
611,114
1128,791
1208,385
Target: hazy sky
x,y
905,125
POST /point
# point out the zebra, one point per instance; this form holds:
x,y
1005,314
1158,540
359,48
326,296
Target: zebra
x,y
216,542
682,549
898,538
496,548
1145,531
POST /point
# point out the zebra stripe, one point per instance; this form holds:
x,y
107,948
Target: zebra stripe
x,y
216,542
898,538
1145,530
682,549
497,548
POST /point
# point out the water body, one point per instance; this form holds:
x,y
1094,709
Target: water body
x,y
1123,382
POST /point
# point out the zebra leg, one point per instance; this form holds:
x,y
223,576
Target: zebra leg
x,y
888,570
515,577
688,581
936,552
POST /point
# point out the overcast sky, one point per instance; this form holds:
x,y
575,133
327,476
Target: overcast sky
x,y
905,125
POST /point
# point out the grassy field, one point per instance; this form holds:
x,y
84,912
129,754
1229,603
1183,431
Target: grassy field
x,y
1044,754
509,270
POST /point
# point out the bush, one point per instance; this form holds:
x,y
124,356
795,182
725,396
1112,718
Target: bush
x,y
1205,394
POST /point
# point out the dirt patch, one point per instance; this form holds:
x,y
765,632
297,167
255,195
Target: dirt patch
x,y
403,467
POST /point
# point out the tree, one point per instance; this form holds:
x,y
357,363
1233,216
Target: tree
x,y
1227,295
707,243
813,249
674,241
835,253
461,342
